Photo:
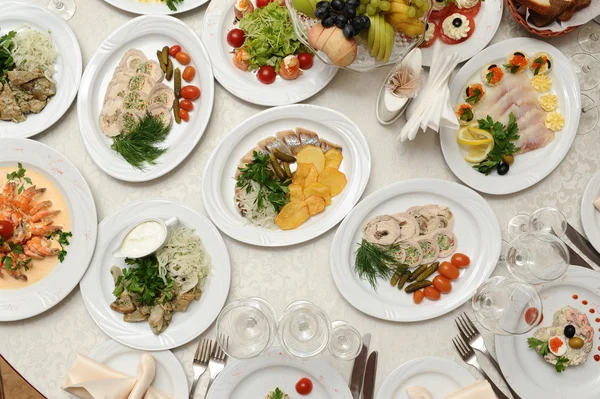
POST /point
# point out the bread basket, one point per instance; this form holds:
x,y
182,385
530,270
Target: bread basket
x,y
513,5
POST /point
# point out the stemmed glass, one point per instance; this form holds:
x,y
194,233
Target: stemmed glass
x,y
345,342
304,329
548,220
589,115
65,8
587,69
589,38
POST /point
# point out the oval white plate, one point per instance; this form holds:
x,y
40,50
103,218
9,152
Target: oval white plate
x,y
147,33
487,21
255,378
218,20
218,184
477,234
527,373
590,216
41,296
533,166
440,376
155,7
170,377
68,65
97,285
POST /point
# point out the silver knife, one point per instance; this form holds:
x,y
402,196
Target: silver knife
x,y
583,244
370,374
576,259
358,370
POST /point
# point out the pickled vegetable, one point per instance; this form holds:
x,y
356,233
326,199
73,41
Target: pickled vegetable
x,y
403,280
283,156
277,168
177,84
417,286
417,272
428,272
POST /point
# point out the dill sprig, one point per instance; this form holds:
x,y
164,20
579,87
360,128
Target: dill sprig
x,y
139,144
374,261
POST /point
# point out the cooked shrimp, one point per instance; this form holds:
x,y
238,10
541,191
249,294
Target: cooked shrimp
x,y
23,200
240,59
45,215
43,230
41,246
39,206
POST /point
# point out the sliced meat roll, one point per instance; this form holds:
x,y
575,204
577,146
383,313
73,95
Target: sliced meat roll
x,y
382,230
446,241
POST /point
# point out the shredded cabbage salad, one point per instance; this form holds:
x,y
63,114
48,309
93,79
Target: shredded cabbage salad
x,y
34,50
184,259
247,202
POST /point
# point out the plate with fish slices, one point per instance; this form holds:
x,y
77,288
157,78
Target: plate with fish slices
x,y
570,327
531,82
286,175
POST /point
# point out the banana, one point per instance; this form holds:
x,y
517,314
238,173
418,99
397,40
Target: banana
x,y
398,8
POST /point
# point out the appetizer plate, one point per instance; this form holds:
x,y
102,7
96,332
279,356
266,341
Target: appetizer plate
x,y
218,20
255,378
218,183
440,376
487,22
525,370
154,7
68,65
97,285
590,216
477,235
170,377
147,33
43,295
533,166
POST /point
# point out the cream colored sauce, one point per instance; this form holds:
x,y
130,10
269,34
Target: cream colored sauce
x,y
40,268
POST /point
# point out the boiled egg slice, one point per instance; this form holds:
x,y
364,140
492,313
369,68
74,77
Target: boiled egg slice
x,y
557,345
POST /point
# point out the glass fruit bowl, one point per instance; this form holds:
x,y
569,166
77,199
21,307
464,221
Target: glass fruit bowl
x,y
360,35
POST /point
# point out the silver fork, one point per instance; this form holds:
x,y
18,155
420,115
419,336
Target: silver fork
x,y
200,363
468,356
218,360
471,334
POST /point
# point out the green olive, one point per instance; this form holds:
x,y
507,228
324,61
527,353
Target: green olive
x,y
576,343
509,159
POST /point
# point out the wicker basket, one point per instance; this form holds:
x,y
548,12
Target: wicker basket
x,y
513,5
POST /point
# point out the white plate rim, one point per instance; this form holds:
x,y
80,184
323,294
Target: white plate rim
x,y
588,212
136,7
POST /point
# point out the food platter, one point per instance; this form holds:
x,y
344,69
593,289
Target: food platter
x,y
31,300
590,217
148,34
441,376
533,166
218,183
68,65
525,370
254,378
154,7
97,285
218,20
477,234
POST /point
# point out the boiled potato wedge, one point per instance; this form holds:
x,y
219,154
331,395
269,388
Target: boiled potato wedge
x,y
296,192
333,179
312,176
318,189
312,154
292,215
301,172
315,204
333,158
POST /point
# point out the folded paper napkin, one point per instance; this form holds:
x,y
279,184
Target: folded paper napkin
x,y
89,379
580,17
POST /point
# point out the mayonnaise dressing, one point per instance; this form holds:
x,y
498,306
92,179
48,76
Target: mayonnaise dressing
x,y
143,239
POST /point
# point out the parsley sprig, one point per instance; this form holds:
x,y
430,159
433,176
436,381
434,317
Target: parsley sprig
x,y
539,61
474,97
504,137
277,394
171,4
62,237
19,177
543,348
512,68
145,281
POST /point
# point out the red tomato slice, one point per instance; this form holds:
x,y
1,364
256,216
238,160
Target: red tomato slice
x,y
436,34
449,40
466,11
441,14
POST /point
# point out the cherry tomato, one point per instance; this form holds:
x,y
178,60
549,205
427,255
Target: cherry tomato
x,y
304,386
460,260
418,296
173,50
449,271
442,284
449,40
190,92
236,38
188,73
266,74
183,58
436,34
262,3
431,293
531,316
187,105
183,114
6,229
306,60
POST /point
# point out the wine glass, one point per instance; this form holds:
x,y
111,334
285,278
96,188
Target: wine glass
x,y
247,327
589,38
345,342
587,69
544,219
65,8
518,224
506,306
304,329
537,257
589,115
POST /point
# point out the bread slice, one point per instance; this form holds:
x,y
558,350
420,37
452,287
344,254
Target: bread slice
x,y
578,5
548,8
540,20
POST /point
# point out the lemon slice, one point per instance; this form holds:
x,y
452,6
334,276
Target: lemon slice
x,y
478,153
470,135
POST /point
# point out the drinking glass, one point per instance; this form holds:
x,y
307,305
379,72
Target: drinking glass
x,y
247,327
589,38
589,115
304,329
537,257
548,220
345,342
587,69
506,306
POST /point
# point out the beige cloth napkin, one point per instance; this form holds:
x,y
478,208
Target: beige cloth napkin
x,y
89,379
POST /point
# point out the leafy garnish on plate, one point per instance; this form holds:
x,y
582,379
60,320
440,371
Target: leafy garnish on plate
x,y
504,136
7,63
63,241
374,261
144,280
543,348
18,176
512,68
467,114
474,98
277,394
539,61
139,145
171,4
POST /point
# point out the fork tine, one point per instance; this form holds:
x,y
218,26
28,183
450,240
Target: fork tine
x,y
458,325
209,349
464,318
471,324
458,349
198,350
465,346
464,331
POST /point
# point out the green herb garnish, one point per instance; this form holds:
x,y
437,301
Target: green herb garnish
x,y
467,115
7,63
512,68
540,62
145,281
543,348
63,241
171,4
139,144
474,97
19,177
276,394
374,261
561,364
504,136
489,76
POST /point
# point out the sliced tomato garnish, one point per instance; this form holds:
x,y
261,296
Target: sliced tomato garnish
x,y
436,34
441,14
449,40
465,11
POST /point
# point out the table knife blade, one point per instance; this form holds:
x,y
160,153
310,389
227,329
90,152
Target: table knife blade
x,y
358,370
583,244
370,375
576,259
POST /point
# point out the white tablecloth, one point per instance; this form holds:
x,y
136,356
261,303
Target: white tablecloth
x,y
43,347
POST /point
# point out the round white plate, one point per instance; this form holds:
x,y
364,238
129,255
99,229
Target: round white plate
x,y
590,216
41,296
147,33
218,20
170,377
68,65
477,234
218,183
255,378
487,21
525,370
97,285
440,376
533,166
155,7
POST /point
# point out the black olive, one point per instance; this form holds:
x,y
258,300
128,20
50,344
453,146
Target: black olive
x,y
492,66
457,22
503,168
426,26
518,53
569,331
467,91
549,63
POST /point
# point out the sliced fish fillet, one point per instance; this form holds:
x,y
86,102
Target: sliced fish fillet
x,y
271,143
291,139
327,145
308,137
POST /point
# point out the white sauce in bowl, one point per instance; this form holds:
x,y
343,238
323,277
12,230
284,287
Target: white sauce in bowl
x,y
143,239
